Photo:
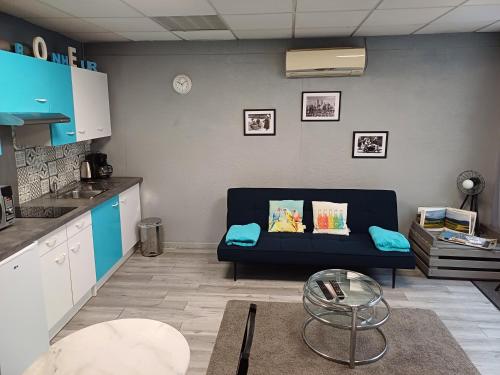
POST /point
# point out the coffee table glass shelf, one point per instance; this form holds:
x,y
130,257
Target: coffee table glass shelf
x,y
363,308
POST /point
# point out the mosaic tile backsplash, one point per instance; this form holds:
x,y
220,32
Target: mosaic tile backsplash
x,y
38,167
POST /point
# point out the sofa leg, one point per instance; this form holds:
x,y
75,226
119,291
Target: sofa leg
x,y
393,278
234,271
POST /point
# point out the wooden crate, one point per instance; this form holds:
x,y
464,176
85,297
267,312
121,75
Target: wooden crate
x,y
448,260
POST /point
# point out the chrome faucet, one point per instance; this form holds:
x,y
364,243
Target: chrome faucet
x,y
54,188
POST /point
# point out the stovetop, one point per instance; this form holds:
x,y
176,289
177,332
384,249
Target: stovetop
x,y
42,212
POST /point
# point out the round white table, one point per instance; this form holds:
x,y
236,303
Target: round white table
x,y
122,347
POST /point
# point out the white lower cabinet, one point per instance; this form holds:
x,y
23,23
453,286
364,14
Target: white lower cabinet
x,y
130,216
23,327
56,281
81,263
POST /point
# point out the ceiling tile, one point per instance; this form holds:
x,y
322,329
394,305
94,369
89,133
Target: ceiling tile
x,y
482,2
126,24
407,4
94,8
157,8
367,30
97,37
313,32
329,19
493,28
30,8
472,14
264,34
321,5
261,21
253,6
62,25
206,35
404,16
139,36
451,27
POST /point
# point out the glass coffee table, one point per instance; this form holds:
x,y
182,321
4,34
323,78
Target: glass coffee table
x,y
362,308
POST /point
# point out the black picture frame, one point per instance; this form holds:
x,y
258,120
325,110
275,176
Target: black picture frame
x,y
337,97
259,132
358,154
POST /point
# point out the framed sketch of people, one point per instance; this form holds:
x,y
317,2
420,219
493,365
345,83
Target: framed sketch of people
x,y
259,122
370,144
321,106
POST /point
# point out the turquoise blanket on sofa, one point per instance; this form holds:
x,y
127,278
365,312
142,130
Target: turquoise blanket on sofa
x,y
388,240
243,235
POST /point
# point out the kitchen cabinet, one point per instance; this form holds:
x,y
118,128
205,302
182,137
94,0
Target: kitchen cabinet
x,y
130,216
56,281
34,85
106,233
91,103
24,334
81,263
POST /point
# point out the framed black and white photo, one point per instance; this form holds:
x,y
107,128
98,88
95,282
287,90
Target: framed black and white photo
x,y
321,106
259,122
370,144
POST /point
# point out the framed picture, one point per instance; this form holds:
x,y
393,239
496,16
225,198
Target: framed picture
x,y
259,122
321,106
370,144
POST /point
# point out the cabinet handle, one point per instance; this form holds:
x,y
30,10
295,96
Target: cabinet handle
x,y
51,243
41,100
80,225
115,205
124,200
100,129
70,133
76,248
61,259
81,131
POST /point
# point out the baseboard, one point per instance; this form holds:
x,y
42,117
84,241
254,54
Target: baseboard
x,y
190,245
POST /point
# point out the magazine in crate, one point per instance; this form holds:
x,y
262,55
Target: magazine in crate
x,y
447,218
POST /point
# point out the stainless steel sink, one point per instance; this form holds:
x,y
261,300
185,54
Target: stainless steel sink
x,y
80,194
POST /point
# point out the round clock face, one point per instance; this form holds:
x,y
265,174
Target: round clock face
x,y
182,84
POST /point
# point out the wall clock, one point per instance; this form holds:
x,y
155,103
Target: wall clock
x,y
182,84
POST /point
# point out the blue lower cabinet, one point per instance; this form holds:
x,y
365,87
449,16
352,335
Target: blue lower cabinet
x,y
106,231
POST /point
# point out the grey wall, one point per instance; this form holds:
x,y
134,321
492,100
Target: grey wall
x,y
436,95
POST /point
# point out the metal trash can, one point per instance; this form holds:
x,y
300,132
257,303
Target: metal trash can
x,y
151,233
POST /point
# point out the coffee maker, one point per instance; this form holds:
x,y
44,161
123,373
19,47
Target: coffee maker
x,y
99,167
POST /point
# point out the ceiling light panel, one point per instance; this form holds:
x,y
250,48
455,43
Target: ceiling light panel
x,y
404,16
186,23
94,8
157,8
252,6
322,5
206,35
260,21
140,36
407,4
320,32
329,19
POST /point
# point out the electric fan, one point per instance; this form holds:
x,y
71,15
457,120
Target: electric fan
x,y
471,183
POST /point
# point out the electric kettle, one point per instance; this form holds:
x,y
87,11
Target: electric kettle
x,y
85,172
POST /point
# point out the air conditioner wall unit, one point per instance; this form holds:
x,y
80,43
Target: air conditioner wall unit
x,y
325,62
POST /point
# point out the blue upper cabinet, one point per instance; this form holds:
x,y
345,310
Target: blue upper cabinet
x,y
28,84
106,232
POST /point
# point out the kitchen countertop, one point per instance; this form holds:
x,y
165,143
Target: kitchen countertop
x,y
26,231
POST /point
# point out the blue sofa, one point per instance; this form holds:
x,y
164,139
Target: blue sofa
x,y
366,208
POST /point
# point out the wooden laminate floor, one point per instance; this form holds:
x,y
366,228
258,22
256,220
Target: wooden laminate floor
x,y
188,289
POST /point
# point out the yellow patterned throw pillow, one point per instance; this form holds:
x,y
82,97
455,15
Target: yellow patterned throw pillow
x,y
286,216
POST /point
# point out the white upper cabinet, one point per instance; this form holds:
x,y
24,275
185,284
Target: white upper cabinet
x,y
130,216
24,335
91,104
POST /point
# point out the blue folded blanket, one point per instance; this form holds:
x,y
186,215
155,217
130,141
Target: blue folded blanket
x,y
388,240
243,235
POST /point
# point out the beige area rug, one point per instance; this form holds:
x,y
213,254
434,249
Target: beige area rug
x,y
419,344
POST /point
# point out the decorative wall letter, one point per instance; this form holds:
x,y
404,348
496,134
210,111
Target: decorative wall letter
x,y
39,48
71,56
